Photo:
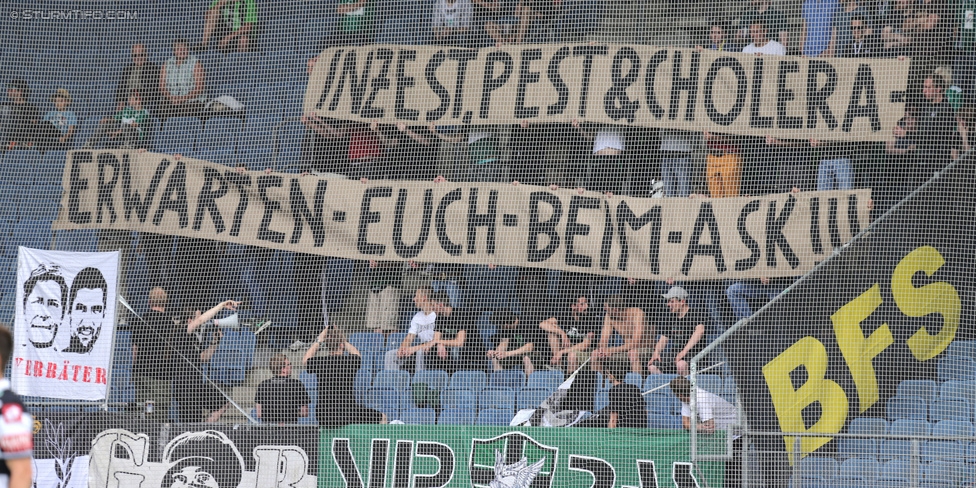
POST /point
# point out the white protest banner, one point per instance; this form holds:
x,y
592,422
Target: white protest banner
x,y
65,323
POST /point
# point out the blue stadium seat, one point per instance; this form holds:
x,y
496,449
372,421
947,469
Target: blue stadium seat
x,y
255,144
899,448
925,390
662,401
370,345
711,383
950,473
41,203
19,166
418,416
958,390
950,410
818,467
729,390
860,469
907,408
397,380
495,416
963,349
491,397
956,368
458,398
457,416
81,240
32,233
394,340
290,138
50,168
220,135
948,449
850,446
433,378
507,378
634,379
545,379
663,421
895,470
386,400
533,397
469,380
655,380
178,135
310,382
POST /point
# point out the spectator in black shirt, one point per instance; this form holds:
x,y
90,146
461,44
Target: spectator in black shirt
x,y
21,117
336,374
192,391
281,399
626,406
456,348
686,330
937,140
515,344
139,76
152,352
571,332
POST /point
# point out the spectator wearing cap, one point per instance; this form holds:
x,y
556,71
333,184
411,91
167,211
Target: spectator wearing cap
x,y
182,83
772,17
59,125
685,328
233,22
20,117
139,76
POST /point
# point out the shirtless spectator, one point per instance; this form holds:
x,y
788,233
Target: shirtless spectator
x,y
571,332
628,323
686,330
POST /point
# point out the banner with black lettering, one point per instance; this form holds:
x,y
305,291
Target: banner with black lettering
x,y
783,96
502,224
887,308
64,323
113,451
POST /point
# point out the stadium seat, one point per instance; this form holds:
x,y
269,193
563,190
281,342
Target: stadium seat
x,y
220,135
434,378
32,233
601,399
397,380
255,144
81,240
950,410
658,380
178,135
549,380
533,397
861,447
495,416
860,469
41,203
370,345
418,416
818,467
925,390
662,401
956,368
394,340
901,448
711,383
469,380
361,384
497,398
947,449
963,349
894,470
950,473
729,390
457,416
634,379
311,383
458,398
386,400
958,390
907,408
507,378
50,168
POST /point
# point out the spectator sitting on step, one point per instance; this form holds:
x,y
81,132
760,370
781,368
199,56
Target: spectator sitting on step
x,y
233,22
126,129
571,332
422,330
515,344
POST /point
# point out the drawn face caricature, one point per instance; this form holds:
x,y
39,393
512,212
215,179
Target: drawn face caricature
x,y
193,477
44,297
87,311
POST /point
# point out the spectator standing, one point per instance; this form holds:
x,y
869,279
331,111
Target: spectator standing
x,y
937,136
676,148
718,37
626,408
686,330
532,11
772,17
817,26
281,399
515,343
723,165
60,124
714,413
182,83
761,43
20,117
628,324
422,330
139,76
152,352
326,144
483,150
452,22
842,34
865,42
16,425
383,296
231,21
191,390
336,375
571,333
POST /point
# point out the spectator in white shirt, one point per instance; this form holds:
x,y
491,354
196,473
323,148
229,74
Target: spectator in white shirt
x,y
452,22
714,413
761,43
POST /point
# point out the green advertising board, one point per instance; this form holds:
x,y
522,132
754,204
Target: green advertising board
x,y
401,456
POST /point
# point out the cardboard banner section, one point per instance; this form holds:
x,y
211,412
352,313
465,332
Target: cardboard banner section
x,y
772,236
483,457
888,308
113,451
64,323
788,97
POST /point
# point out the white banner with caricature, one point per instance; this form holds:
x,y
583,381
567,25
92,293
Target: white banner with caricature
x,y
65,323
